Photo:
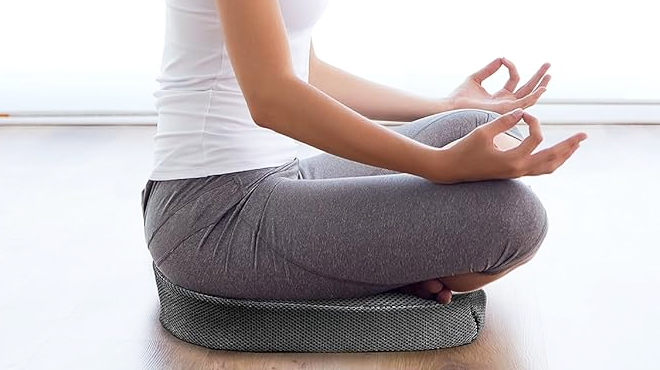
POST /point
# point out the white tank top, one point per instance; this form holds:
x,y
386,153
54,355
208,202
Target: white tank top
x,y
204,125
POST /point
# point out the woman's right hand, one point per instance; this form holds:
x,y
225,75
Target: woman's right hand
x,y
475,157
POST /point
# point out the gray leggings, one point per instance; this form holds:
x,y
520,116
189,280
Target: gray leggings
x,y
326,227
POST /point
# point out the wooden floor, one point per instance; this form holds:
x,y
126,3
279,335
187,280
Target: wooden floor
x,y
77,292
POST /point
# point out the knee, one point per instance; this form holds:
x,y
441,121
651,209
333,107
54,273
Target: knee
x,y
524,223
462,122
473,118
530,213
455,124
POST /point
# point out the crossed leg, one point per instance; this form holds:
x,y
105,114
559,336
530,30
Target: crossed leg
x,y
437,130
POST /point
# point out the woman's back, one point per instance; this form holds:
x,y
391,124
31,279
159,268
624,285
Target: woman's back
x,y
204,125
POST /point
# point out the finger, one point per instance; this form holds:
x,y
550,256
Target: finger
x,y
531,142
551,167
530,99
502,123
548,160
527,88
514,77
544,159
487,71
545,81
566,157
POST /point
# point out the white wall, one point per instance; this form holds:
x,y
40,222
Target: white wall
x,y
79,55
599,49
91,56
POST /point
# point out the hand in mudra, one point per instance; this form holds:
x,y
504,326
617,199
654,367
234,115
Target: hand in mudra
x,y
471,94
475,157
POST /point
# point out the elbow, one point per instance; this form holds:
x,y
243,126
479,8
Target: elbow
x,y
267,104
259,106
261,114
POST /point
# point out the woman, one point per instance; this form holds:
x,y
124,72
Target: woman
x,y
230,211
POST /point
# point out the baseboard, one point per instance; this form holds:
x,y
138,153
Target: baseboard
x,y
558,112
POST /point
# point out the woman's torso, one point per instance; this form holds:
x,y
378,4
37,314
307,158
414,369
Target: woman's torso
x,y
204,125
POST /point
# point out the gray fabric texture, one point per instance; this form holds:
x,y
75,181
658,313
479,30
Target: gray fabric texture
x,y
383,322
326,227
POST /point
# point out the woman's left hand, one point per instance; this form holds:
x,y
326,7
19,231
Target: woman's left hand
x,y
472,95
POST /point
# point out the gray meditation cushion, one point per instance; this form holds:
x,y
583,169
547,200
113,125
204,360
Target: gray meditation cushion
x,y
383,322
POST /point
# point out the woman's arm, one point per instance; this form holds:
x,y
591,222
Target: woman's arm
x,y
381,102
371,99
258,49
259,52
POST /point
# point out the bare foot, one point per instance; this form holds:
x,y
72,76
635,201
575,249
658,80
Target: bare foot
x,y
429,289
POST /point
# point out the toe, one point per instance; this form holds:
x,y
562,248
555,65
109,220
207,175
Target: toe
x,y
433,286
444,296
417,290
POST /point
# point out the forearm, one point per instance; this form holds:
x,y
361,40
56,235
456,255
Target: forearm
x,y
279,100
310,116
371,99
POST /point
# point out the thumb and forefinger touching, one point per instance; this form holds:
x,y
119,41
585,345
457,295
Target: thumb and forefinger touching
x,y
527,94
481,75
542,162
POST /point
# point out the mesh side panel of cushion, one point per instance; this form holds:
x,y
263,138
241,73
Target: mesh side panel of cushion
x,y
383,322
